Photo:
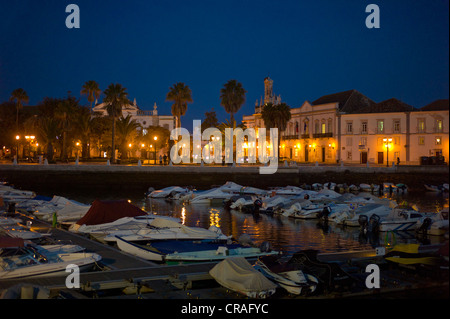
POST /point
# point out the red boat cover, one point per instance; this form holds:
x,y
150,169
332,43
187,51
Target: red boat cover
x,y
102,212
11,242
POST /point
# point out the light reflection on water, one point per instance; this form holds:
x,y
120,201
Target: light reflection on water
x,y
286,234
291,235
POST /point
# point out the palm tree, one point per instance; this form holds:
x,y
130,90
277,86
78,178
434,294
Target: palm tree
x,y
20,96
116,97
83,127
181,95
126,131
232,97
92,90
276,116
65,112
49,129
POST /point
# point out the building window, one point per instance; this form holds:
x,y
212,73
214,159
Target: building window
x,y
364,127
397,156
349,141
421,125
330,125
324,128
421,140
379,141
380,126
363,141
396,126
438,140
397,140
316,127
349,127
305,127
349,155
439,126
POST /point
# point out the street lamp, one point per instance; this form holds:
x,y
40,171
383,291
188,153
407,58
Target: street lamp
x,y
155,138
17,148
387,142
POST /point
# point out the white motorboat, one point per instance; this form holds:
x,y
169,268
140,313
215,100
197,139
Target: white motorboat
x,y
365,187
401,220
352,217
220,253
306,210
7,221
18,260
433,188
436,224
174,192
162,229
20,231
288,276
238,275
209,196
288,190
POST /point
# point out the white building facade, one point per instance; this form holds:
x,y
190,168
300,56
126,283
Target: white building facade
x,y
351,128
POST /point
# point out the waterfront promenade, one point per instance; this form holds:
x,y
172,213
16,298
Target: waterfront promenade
x,y
134,177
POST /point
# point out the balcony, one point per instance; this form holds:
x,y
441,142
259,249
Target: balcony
x,y
321,135
290,137
304,135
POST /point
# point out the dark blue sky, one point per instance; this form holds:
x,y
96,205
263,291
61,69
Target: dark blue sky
x,y
309,48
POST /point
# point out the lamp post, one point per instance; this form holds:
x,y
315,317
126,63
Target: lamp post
x,y
17,148
387,142
155,138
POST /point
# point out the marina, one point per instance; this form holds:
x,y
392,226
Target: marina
x,y
120,274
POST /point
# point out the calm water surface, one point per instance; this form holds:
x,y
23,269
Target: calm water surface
x,y
286,234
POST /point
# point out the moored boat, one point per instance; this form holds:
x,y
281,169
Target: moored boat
x,y
238,275
291,278
18,260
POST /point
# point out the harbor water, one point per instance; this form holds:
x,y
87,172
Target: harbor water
x,y
283,233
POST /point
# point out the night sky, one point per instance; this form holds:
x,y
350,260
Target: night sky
x,y
309,49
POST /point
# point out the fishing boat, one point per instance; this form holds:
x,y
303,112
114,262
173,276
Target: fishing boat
x,y
238,275
18,260
291,278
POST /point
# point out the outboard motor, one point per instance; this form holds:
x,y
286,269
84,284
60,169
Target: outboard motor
x,y
11,209
374,223
363,222
324,213
425,226
257,204
265,247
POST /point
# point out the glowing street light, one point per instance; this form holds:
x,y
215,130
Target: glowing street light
x,y
387,143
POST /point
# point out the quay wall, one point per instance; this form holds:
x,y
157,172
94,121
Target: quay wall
x,y
63,177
